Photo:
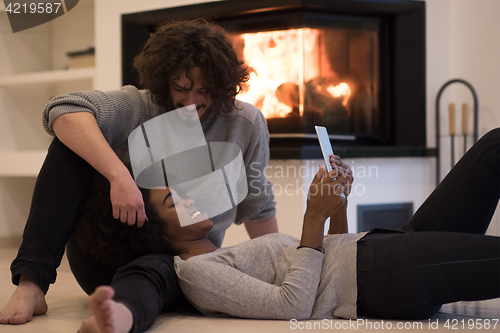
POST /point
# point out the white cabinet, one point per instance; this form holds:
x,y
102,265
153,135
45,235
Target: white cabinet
x,y
32,71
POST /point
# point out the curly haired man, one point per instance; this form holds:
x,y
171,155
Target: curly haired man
x,y
183,63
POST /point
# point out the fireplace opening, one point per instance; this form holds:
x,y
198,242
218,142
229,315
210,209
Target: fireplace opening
x,y
356,67
326,74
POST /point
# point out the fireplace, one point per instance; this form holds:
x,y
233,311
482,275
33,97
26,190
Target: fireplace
x,y
324,74
356,67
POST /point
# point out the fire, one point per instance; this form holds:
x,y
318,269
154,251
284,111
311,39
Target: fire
x,y
340,90
281,63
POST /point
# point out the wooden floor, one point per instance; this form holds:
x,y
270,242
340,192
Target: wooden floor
x,y
68,309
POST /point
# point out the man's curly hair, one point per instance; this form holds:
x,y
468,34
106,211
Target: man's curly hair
x,y
179,46
111,241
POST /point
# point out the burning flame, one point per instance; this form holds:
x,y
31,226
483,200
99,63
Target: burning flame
x,y
340,90
278,60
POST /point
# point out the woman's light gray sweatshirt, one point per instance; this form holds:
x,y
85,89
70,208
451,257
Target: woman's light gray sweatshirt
x,y
269,278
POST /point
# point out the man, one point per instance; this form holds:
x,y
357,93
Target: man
x,y
183,63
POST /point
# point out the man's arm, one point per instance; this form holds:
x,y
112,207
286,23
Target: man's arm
x,y
262,227
258,209
80,133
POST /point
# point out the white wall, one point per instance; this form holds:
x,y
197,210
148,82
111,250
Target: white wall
x,y
463,42
108,35
475,46
476,57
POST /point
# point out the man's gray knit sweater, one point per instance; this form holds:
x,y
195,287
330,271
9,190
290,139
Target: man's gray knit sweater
x,y
269,278
119,112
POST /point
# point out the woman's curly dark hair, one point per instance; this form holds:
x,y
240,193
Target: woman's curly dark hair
x,y
179,46
111,241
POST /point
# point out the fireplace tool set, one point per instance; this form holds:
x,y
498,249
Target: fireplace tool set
x,y
452,131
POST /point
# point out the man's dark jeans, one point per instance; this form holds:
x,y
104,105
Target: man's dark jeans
x,y
60,191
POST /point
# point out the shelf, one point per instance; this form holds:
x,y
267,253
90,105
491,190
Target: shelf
x,y
21,163
47,77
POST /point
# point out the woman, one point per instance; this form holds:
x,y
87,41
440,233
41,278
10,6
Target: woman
x,y
440,256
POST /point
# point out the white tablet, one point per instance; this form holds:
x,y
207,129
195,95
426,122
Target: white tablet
x,y
326,147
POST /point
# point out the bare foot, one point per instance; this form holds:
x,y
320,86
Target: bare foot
x,y
108,316
26,301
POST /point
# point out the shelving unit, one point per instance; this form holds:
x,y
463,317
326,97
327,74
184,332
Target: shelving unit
x,y
23,142
26,163
34,71
55,76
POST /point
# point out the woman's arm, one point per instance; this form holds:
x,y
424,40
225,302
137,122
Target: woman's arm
x,y
338,221
324,199
80,133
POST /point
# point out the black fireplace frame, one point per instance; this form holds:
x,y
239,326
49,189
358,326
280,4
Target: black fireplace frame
x,y
402,65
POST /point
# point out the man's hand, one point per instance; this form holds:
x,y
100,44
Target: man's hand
x,y
80,133
344,169
127,202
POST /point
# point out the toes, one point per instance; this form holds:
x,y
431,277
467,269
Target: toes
x,y
103,293
19,319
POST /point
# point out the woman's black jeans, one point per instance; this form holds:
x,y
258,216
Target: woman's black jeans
x,y
60,191
441,255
